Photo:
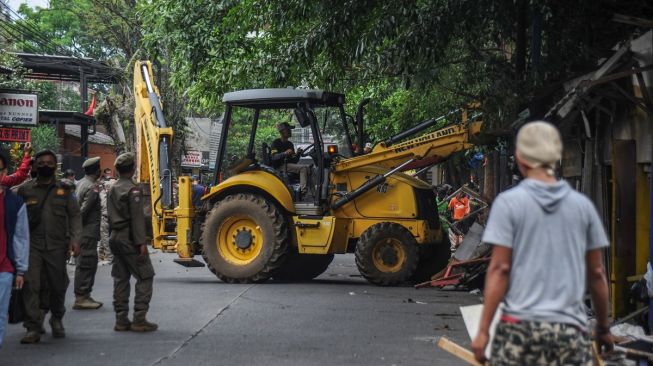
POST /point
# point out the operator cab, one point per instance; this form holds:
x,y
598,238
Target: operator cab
x,y
260,122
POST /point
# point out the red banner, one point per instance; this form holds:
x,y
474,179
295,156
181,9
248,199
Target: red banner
x,y
15,134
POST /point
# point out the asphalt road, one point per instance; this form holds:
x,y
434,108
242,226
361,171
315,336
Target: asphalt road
x,y
337,319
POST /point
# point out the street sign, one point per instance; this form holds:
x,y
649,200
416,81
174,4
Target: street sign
x,y
18,109
15,134
205,159
192,159
214,141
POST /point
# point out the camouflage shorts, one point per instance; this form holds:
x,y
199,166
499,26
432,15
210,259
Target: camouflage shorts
x,y
540,343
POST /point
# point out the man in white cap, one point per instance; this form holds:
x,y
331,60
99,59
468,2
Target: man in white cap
x,y
368,148
88,195
547,242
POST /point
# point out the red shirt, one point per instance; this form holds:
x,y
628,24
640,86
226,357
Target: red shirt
x,y
5,263
19,176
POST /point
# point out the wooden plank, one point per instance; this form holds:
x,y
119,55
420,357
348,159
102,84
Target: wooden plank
x,y
596,356
627,19
644,90
572,159
623,224
588,168
571,98
615,76
458,351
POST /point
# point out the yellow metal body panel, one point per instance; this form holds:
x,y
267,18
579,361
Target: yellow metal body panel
x,y
394,202
321,236
256,179
184,214
394,199
148,135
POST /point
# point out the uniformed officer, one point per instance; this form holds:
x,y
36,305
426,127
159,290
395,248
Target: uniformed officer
x,y
55,230
88,196
128,244
104,252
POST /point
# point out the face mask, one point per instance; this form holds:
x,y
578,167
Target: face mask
x,y
45,171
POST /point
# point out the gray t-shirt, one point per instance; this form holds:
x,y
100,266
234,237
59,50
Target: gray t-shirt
x,y
549,227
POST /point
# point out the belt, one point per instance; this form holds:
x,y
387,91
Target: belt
x,y
512,320
509,319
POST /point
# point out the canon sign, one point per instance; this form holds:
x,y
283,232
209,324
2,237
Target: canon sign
x,y
17,102
18,109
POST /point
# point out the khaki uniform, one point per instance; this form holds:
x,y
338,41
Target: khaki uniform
x,y
104,252
55,222
88,196
126,218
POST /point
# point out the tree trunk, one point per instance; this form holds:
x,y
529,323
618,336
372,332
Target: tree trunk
x,y
520,47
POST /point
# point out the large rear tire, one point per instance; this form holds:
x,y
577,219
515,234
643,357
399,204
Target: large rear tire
x,y
302,267
244,239
386,254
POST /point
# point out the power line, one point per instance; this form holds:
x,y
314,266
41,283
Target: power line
x,y
31,31
20,34
29,27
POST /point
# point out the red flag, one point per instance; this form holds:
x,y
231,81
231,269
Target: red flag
x,y
91,107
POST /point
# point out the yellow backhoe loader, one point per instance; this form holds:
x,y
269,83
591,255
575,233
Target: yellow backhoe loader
x,y
257,225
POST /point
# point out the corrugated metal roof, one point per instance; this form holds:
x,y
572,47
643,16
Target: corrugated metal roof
x,y
98,138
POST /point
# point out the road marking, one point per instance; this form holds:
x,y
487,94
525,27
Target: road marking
x,y
192,336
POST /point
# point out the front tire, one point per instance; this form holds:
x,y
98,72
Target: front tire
x,y
244,239
386,254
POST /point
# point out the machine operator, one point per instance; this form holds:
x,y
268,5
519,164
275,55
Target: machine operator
x,y
284,157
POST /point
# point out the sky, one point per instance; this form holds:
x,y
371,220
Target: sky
x,y
14,4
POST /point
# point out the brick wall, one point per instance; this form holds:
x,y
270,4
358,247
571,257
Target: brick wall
x,y
71,146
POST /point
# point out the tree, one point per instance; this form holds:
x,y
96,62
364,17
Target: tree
x,y
411,55
45,137
99,29
106,30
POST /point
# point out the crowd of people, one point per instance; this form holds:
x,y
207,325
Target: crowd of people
x,y
45,220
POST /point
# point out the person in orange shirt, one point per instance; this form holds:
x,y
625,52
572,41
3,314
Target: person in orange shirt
x,y
459,206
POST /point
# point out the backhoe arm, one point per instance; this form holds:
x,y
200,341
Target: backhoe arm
x,y
432,147
154,141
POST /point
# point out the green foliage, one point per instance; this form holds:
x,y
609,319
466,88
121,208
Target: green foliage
x,y
417,59
45,137
99,29
241,129
105,30
15,153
